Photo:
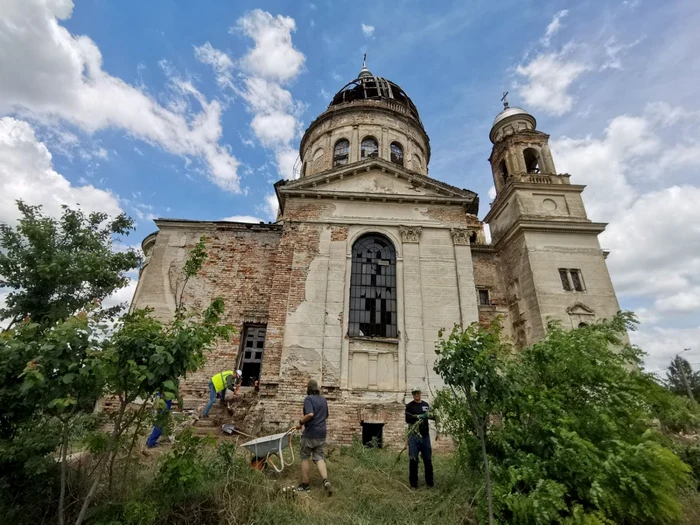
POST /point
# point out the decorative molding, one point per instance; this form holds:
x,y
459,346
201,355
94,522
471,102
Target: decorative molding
x,y
579,309
460,236
410,233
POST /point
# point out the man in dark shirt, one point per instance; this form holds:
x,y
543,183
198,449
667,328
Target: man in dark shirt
x,y
419,440
314,436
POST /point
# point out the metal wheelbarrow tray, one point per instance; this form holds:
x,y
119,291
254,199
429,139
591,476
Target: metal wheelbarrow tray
x,y
267,446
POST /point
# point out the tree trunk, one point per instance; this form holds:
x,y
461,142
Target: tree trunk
x,y
133,441
482,438
116,432
64,470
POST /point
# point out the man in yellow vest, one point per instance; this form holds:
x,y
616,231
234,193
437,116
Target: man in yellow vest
x,y
218,385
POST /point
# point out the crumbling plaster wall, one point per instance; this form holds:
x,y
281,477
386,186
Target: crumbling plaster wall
x,y
239,268
364,379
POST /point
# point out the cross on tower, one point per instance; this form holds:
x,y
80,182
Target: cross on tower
x,y
503,99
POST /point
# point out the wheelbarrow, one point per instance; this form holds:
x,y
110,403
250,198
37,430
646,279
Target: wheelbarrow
x,y
265,447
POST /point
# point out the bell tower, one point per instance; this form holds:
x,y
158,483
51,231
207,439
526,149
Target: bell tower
x,y
552,264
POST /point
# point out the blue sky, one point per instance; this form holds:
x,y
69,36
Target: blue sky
x,y
192,110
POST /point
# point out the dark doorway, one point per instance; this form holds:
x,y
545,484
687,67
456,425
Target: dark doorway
x,y
372,434
253,347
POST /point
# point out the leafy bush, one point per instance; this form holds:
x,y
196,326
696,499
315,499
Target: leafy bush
x,y
572,438
182,472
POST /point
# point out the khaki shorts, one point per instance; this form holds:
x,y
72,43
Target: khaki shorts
x,y
312,448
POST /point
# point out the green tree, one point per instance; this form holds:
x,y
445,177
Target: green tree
x,y
674,378
56,267
575,438
472,363
145,357
65,377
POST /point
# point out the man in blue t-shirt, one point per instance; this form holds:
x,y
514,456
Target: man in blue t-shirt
x,y
314,436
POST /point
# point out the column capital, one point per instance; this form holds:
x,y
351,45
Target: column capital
x,y
460,236
410,233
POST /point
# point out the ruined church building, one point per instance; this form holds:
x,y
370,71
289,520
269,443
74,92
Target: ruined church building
x,y
370,257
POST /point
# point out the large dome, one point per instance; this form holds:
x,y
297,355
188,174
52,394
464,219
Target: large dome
x,y
370,87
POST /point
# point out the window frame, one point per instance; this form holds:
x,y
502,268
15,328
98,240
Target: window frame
x,y
362,148
391,153
479,291
569,283
242,359
338,159
365,320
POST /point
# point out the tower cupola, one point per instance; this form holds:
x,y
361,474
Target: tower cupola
x,y
520,152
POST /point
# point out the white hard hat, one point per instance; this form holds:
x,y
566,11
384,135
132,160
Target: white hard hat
x,y
239,373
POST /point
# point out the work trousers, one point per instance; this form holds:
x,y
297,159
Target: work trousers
x,y
152,440
418,444
212,397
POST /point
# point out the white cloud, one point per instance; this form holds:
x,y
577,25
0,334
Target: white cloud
x,y
26,173
652,231
274,129
272,61
553,27
604,163
274,56
121,296
548,78
270,206
50,74
656,249
368,30
243,218
662,344
219,61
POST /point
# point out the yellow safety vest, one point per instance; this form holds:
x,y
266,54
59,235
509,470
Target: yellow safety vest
x,y
219,380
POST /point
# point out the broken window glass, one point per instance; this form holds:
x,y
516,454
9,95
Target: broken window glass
x,y
396,153
341,153
373,288
370,148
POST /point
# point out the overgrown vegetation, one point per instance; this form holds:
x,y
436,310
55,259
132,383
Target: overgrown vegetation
x,y
569,430
58,356
578,435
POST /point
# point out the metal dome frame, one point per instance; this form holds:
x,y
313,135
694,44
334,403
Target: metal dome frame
x,y
370,87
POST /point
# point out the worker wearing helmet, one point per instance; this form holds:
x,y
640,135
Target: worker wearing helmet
x,y
219,383
417,415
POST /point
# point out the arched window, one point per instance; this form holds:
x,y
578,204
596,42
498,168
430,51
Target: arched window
x,y
531,161
396,153
373,288
369,148
582,325
503,169
341,152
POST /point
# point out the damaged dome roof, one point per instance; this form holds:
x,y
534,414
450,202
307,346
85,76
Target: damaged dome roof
x,y
370,87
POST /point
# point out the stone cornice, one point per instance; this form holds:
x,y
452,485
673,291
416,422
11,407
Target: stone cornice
x,y
187,224
549,226
313,186
502,198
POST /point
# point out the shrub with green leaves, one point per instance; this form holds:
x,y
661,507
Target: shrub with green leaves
x,y
574,437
